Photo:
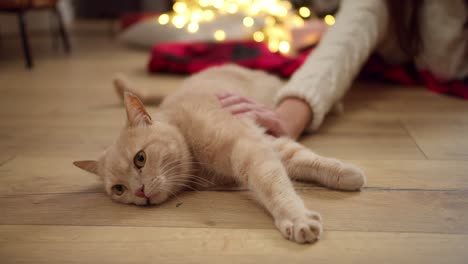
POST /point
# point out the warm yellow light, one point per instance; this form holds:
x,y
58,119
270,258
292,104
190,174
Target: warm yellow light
x,y
329,20
220,35
217,3
179,7
284,47
258,36
248,21
254,9
204,3
192,27
297,21
286,4
269,21
179,21
163,19
283,12
196,16
277,10
279,18
273,45
304,12
208,15
232,8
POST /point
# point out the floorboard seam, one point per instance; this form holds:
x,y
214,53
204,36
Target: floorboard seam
x,y
402,124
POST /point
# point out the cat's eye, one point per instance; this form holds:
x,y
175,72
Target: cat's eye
x,y
140,159
118,189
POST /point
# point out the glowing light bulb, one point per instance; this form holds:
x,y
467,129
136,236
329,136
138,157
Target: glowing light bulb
x,y
220,35
179,7
163,19
196,16
269,21
273,45
254,9
258,36
297,21
218,3
232,8
278,16
248,21
204,3
208,15
286,4
304,12
179,21
329,20
284,47
192,27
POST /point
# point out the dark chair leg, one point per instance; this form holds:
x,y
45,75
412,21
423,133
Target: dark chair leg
x,y
24,38
62,31
54,34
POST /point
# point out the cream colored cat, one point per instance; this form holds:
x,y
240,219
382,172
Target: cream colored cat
x,y
191,141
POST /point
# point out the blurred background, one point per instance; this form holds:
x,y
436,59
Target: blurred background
x,y
32,29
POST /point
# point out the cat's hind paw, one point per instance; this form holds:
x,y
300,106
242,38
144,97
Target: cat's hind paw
x,y
305,229
351,178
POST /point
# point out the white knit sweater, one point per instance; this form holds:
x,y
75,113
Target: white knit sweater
x,y
362,28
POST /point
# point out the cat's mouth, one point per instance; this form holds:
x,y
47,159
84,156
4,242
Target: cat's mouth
x,y
156,199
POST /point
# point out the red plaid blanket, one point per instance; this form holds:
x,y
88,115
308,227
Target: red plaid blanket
x,y
186,58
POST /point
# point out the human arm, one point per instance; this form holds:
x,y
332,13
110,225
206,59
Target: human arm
x,y
329,71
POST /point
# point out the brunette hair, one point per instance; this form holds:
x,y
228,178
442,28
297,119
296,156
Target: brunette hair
x,y
405,21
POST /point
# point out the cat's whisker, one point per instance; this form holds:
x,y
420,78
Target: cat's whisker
x,y
179,165
186,174
171,193
187,182
168,165
187,186
201,178
193,178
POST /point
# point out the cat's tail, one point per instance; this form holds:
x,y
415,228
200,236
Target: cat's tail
x,y
122,85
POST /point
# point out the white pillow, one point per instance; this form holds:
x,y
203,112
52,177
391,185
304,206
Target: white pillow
x,y
149,32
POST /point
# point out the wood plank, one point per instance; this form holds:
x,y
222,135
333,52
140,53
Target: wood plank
x,y
349,137
440,138
415,174
389,211
74,244
56,174
370,147
374,99
58,139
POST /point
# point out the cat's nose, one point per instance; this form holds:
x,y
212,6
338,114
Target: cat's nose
x,y
141,192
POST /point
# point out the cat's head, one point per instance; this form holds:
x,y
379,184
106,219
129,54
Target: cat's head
x,y
148,163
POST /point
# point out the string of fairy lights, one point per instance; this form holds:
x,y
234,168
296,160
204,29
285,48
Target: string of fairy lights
x,y
276,18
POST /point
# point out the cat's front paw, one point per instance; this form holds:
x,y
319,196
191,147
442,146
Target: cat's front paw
x,y
306,228
351,178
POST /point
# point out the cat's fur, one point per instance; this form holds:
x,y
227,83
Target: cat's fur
x,y
191,141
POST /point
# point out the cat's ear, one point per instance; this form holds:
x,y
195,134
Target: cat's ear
x,y
136,112
87,165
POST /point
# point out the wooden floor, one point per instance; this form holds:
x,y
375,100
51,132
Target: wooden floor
x,y
412,144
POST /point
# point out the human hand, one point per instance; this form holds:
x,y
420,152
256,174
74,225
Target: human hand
x,y
264,116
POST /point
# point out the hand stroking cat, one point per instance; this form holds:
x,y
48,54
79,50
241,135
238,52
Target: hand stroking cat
x,y
191,142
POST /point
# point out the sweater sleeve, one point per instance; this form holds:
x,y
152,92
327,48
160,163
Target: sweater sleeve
x,y
330,69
